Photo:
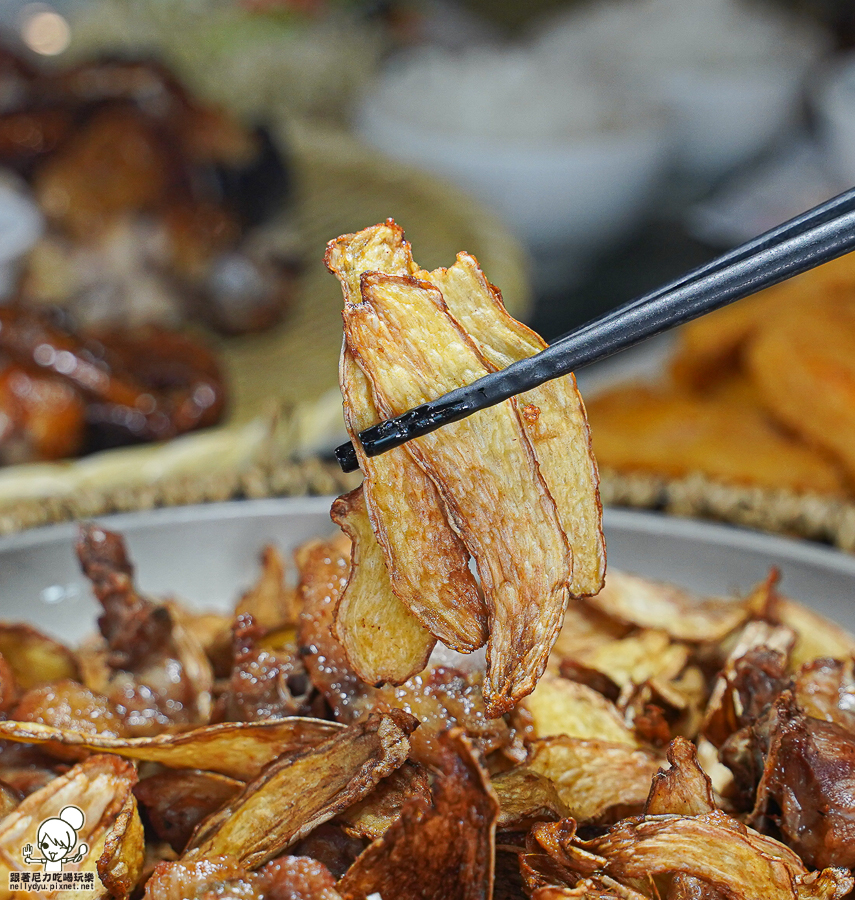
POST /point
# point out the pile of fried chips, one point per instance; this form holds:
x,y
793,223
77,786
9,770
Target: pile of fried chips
x,y
513,488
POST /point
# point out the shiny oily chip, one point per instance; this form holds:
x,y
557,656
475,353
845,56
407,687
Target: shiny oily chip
x,y
237,749
101,788
526,797
552,414
592,777
34,658
427,561
559,706
683,789
383,640
293,796
654,604
413,351
442,849
716,849
371,817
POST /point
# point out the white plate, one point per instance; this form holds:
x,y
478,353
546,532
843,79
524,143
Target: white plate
x,y
207,555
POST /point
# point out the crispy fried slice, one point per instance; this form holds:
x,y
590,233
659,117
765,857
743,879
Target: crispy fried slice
x,y
684,789
239,749
383,640
560,706
177,801
201,880
324,569
34,658
295,794
441,851
654,604
553,414
412,351
816,636
593,777
584,628
804,366
751,678
439,697
70,706
526,797
370,818
269,601
427,561
663,432
101,787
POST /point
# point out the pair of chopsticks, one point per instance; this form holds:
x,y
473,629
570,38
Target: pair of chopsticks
x,y
816,236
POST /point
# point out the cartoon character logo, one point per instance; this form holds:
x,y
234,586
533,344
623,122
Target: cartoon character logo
x,y
56,839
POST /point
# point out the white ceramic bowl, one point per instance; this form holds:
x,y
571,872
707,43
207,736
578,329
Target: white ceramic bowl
x,y
207,555
722,117
833,99
567,201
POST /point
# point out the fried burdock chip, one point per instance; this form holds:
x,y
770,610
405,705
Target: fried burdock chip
x,y
295,794
34,658
427,561
413,351
70,706
716,849
371,817
102,788
383,640
552,414
560,706
270,602
526,797
239,749
443,849
684,789
177,800
685,616
594,778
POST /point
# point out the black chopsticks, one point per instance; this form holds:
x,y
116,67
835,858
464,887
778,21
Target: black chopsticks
x,y
817,236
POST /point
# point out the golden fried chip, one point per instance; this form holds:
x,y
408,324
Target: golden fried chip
x,y
383,640
713,847
177,800
552,414
34,658
70,706
269,601
663,432
101,787
445,849
238,749
654,604
684,789
560,706
296,794
526,797
412,351
816,636
428,563
593,777
370,818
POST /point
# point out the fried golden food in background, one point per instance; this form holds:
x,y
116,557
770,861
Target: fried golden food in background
x,y
678,746
761,394
514,478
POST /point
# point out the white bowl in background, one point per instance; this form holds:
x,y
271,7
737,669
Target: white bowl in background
x,y
208,555
833,100
566,201
721,118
